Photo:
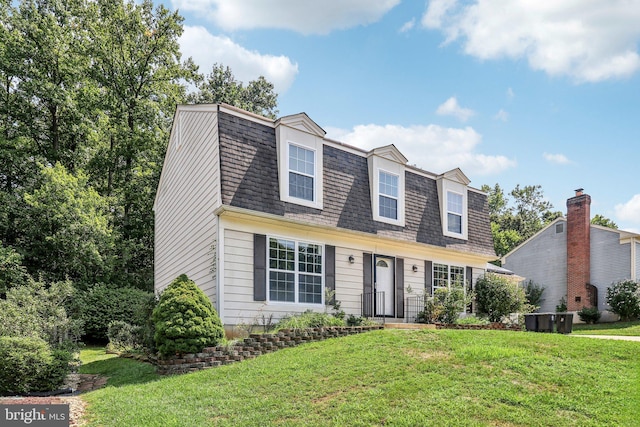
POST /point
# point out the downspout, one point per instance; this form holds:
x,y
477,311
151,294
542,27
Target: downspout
x,y
634,266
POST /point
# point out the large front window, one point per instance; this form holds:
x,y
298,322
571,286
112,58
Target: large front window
x,y
447,276
301,172
388,193
295,271
454,212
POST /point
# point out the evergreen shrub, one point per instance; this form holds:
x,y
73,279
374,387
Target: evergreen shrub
x,y
185,319
624,299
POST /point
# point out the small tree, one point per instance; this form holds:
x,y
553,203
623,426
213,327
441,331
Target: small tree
x,y
533,294
624,299
497,297
185,319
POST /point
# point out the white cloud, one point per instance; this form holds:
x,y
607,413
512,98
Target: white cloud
x,y
588,41
502,115
629,211
408,26
302,16
510,93
207,49
433,148
451,108
559,159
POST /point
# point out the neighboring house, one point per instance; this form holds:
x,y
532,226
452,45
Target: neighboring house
x,y
576,260
266,215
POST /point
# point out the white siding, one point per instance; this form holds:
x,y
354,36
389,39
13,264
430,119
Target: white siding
x,y
188,194
543,259
610,261
237,280
637,264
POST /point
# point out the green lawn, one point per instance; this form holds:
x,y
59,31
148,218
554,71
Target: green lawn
x,y
389,377
617,328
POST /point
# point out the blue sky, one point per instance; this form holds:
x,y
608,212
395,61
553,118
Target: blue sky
x,y
535,92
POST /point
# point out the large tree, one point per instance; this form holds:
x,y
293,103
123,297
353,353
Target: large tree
x,y
514,221
220,86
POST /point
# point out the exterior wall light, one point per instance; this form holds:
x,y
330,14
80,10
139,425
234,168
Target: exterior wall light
x,y
351,259
414,268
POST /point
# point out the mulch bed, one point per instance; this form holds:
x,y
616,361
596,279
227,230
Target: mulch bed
x,y
81,383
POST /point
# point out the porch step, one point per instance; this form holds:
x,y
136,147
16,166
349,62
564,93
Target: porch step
x,y
409,326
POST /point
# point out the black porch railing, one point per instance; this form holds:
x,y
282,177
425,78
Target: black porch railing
x,y
373,305
413,306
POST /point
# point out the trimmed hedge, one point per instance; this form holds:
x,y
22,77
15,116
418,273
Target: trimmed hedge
x,y
102,304
185,319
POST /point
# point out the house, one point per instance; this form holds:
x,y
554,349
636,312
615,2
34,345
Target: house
x,y
270,218
576,260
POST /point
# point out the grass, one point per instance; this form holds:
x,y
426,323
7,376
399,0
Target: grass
x,y
389,377
617,328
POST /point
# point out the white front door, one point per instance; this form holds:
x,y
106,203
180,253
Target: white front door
x,y
384,283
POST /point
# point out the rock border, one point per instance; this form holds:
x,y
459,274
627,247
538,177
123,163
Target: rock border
x,y
251,347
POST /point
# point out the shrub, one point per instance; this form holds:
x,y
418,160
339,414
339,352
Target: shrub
x,y
624,299
533,294
471,320
124,336
185,319
37,311
309,319
445,306
562,306
102,304
497,297
589,315
29,365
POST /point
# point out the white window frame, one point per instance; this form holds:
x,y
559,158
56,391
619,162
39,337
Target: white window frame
x,y
313,177
296,272
449,273
285,169
389,196
459,214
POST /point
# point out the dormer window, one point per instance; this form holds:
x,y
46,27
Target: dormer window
x,y
386,182
302,172
454,212
388,193
454,201
300,145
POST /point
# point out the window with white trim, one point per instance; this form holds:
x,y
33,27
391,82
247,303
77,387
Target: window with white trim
x,y
388,195
454,212
444,276
302,172
295,271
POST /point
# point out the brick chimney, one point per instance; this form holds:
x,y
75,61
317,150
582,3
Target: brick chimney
x,y
578,250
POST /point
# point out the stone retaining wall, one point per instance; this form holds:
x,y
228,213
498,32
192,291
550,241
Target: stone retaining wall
x,y
254,345
493,326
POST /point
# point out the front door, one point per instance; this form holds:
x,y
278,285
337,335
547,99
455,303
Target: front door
x,y
384,283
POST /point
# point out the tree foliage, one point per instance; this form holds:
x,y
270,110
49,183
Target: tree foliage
x,y
87,95
603,221
220,86
515,220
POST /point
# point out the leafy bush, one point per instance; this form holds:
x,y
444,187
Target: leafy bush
x,y
533,294
624,299
37,311
445,306
359,321
102,304
185,319
589,315
29,365
309,319
12,272
497,297
124,336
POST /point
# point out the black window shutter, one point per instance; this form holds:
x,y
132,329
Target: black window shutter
x,y
399,287
428,277
330,271
469,278
367,285
259,267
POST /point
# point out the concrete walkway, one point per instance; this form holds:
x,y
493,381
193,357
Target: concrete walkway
x,y
610,337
